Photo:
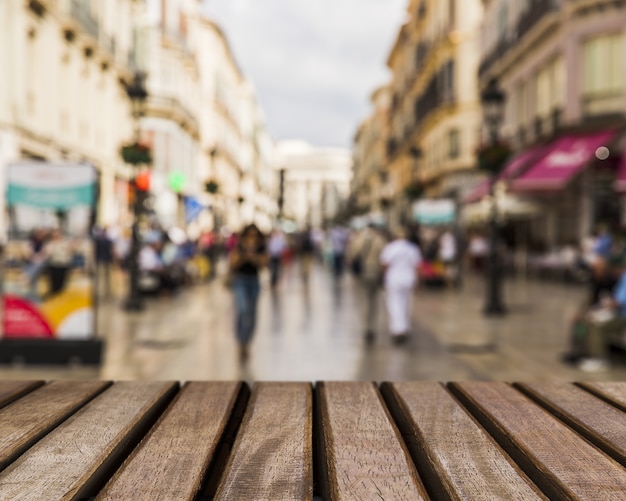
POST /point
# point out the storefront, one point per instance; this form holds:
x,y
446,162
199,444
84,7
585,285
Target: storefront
x,y
561,190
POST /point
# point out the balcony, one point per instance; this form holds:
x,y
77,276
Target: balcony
x,y
534,14
438,93
604,103
495,55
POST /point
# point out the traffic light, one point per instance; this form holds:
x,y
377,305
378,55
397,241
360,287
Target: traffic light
x,y
142,181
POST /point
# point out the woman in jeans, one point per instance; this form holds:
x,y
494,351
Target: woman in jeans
x,y
245,261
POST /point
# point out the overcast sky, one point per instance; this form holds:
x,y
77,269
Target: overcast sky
x,y
314,63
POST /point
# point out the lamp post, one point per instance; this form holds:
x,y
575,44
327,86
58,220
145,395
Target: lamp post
x,y
138,95
492,100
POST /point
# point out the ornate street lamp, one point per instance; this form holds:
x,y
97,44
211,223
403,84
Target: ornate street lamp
x,y
492,158
136,154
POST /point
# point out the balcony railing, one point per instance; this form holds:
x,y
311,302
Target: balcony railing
x,y
537,10
604,103
495,55
80,12
439,92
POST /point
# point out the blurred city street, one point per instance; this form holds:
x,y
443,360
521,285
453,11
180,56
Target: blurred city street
x,y
315,333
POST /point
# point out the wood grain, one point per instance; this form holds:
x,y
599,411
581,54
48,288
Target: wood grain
x,y
172,460
457,458
598,421
272,456
562,463
614,392
25,421
12,390
364,456
69,462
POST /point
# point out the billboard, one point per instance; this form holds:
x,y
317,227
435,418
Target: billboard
x,y
48,279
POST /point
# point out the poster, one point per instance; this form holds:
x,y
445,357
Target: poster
x,y
48,279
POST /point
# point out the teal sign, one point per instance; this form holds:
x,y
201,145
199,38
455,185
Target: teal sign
x,y
51,198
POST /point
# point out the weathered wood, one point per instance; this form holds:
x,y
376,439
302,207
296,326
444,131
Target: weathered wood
x,y
172,460
25,421
562,463
457,458
614,393
272,456
598,421
75,460
363,455
12,390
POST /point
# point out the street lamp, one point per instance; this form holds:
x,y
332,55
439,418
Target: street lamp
x,y
492,100
138,95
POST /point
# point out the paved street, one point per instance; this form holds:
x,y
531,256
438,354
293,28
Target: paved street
x,y
315,333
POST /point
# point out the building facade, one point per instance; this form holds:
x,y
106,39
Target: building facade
x,y
561,65
435,111
316,182
370,182
62,95
236,148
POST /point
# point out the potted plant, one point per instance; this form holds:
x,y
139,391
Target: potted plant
x,y
492,157
136,154
212,186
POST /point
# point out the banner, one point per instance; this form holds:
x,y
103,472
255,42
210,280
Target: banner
x,y
434,212
48,284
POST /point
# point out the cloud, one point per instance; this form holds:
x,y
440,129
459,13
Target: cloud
x,y
314,63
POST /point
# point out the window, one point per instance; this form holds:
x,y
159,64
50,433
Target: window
x,y
604,64
454,146
604,75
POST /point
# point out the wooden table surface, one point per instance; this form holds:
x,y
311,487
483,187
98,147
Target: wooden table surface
x,y
332,440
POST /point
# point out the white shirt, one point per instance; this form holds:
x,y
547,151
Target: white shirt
x,y
447,247
277,245
401,258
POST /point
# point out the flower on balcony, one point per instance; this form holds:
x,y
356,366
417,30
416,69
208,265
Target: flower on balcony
x,y
211,186
414,190
492,157
136,154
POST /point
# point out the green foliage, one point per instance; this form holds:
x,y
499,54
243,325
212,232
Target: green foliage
x,y
492,157
136,154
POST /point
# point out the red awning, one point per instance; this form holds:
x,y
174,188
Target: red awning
x,y
510,171
564,158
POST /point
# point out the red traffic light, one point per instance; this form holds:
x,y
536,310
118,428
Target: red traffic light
x,y
142,181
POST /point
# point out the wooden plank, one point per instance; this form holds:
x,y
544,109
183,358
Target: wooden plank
x,y
363,454
12,390
76,459
28,419
598,421
272,457
457,458
614,392
562,463
172,460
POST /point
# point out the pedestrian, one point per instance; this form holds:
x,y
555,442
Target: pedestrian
x,y
276,247
307,248
338,237
367,248
58,251
104,258
400,260
246,260
606,319
448,253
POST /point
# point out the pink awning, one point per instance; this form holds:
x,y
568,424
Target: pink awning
x,y
511,169
564,158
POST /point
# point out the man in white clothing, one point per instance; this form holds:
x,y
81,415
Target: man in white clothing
x,y
401,260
